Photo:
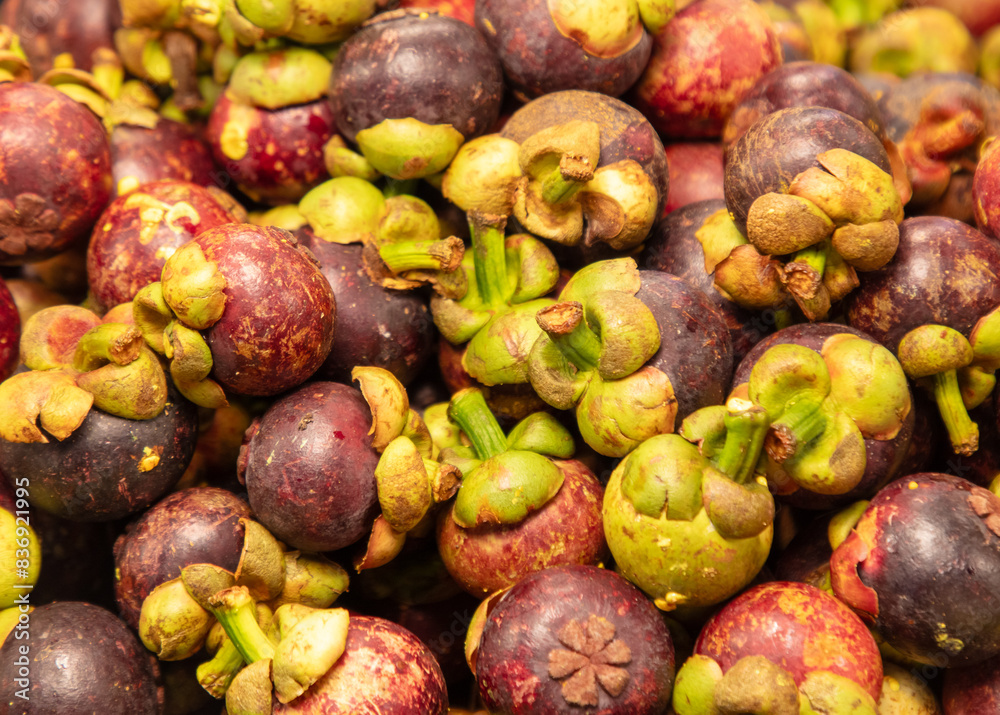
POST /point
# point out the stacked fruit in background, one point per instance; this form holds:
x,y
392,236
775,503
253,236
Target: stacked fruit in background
x,y
428,356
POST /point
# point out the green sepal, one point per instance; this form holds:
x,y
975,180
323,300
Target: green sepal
x,y
615,416
193,287
694,687
506,488
152,315
408,148
542,433
657,477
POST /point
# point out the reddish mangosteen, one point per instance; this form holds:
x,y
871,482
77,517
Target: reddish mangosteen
x,y
168,150
190,526
239,307
570,638
704,61
80,658
678,246
49,28
934,305
986,190
696,173
889,569
972,690
10,332
375,326
309,467
139,231
883,457
384,669
56,176
550,46
784,643
410,86
109,467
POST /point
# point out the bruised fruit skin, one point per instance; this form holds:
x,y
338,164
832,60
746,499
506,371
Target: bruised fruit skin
x,y
190,526
309,468
277,326
170,150
139,231
82,659
798,627
273,155
567,529
703,62
56,174
109,467
538,57
575,637
10,332
920,567
384,669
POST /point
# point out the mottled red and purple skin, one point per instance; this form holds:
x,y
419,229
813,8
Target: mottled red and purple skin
x,y
697,170
48,28
56,174
200,525
566,530
986,191
10,332
803,84
798,627
376,326
284,148
129,244
883,458
309,467
278,323
170,150
430,67
922,567
703,63
625,133
781,145
98,472
944,272
974,690
538,58
512,665
673,247
385,669
82,659
464,10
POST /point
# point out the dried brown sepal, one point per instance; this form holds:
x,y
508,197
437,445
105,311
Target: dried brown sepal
x,y
51,398
869,246
262,562
751,280
384,544
387,400
778,224
203,581
250,691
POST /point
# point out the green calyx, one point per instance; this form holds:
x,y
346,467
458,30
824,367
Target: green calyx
x,y
603,29
408,148
172,624
484,175
344,210
513,475
193,287
280,78
273,16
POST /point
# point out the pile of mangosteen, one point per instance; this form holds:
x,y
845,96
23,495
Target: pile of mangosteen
x,y
500,357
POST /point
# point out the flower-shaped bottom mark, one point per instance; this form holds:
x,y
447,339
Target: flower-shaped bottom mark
x,y
26,222
592,655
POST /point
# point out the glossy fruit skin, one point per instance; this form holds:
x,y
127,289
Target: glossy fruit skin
x,y
376,326
56,175
384,669
309,468
431,67
703,62
170,150
128,248
110,467
190,526
566,530
283,154
82,659
277,326
921,567
538,58
521,631
783,144
944,272
10,332
798,627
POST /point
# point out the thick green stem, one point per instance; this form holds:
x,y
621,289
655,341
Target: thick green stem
x,y
468,408
565,324
801,422
563,182
963,432
237,613
444,255
217,674
813,263
489,254
746,428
